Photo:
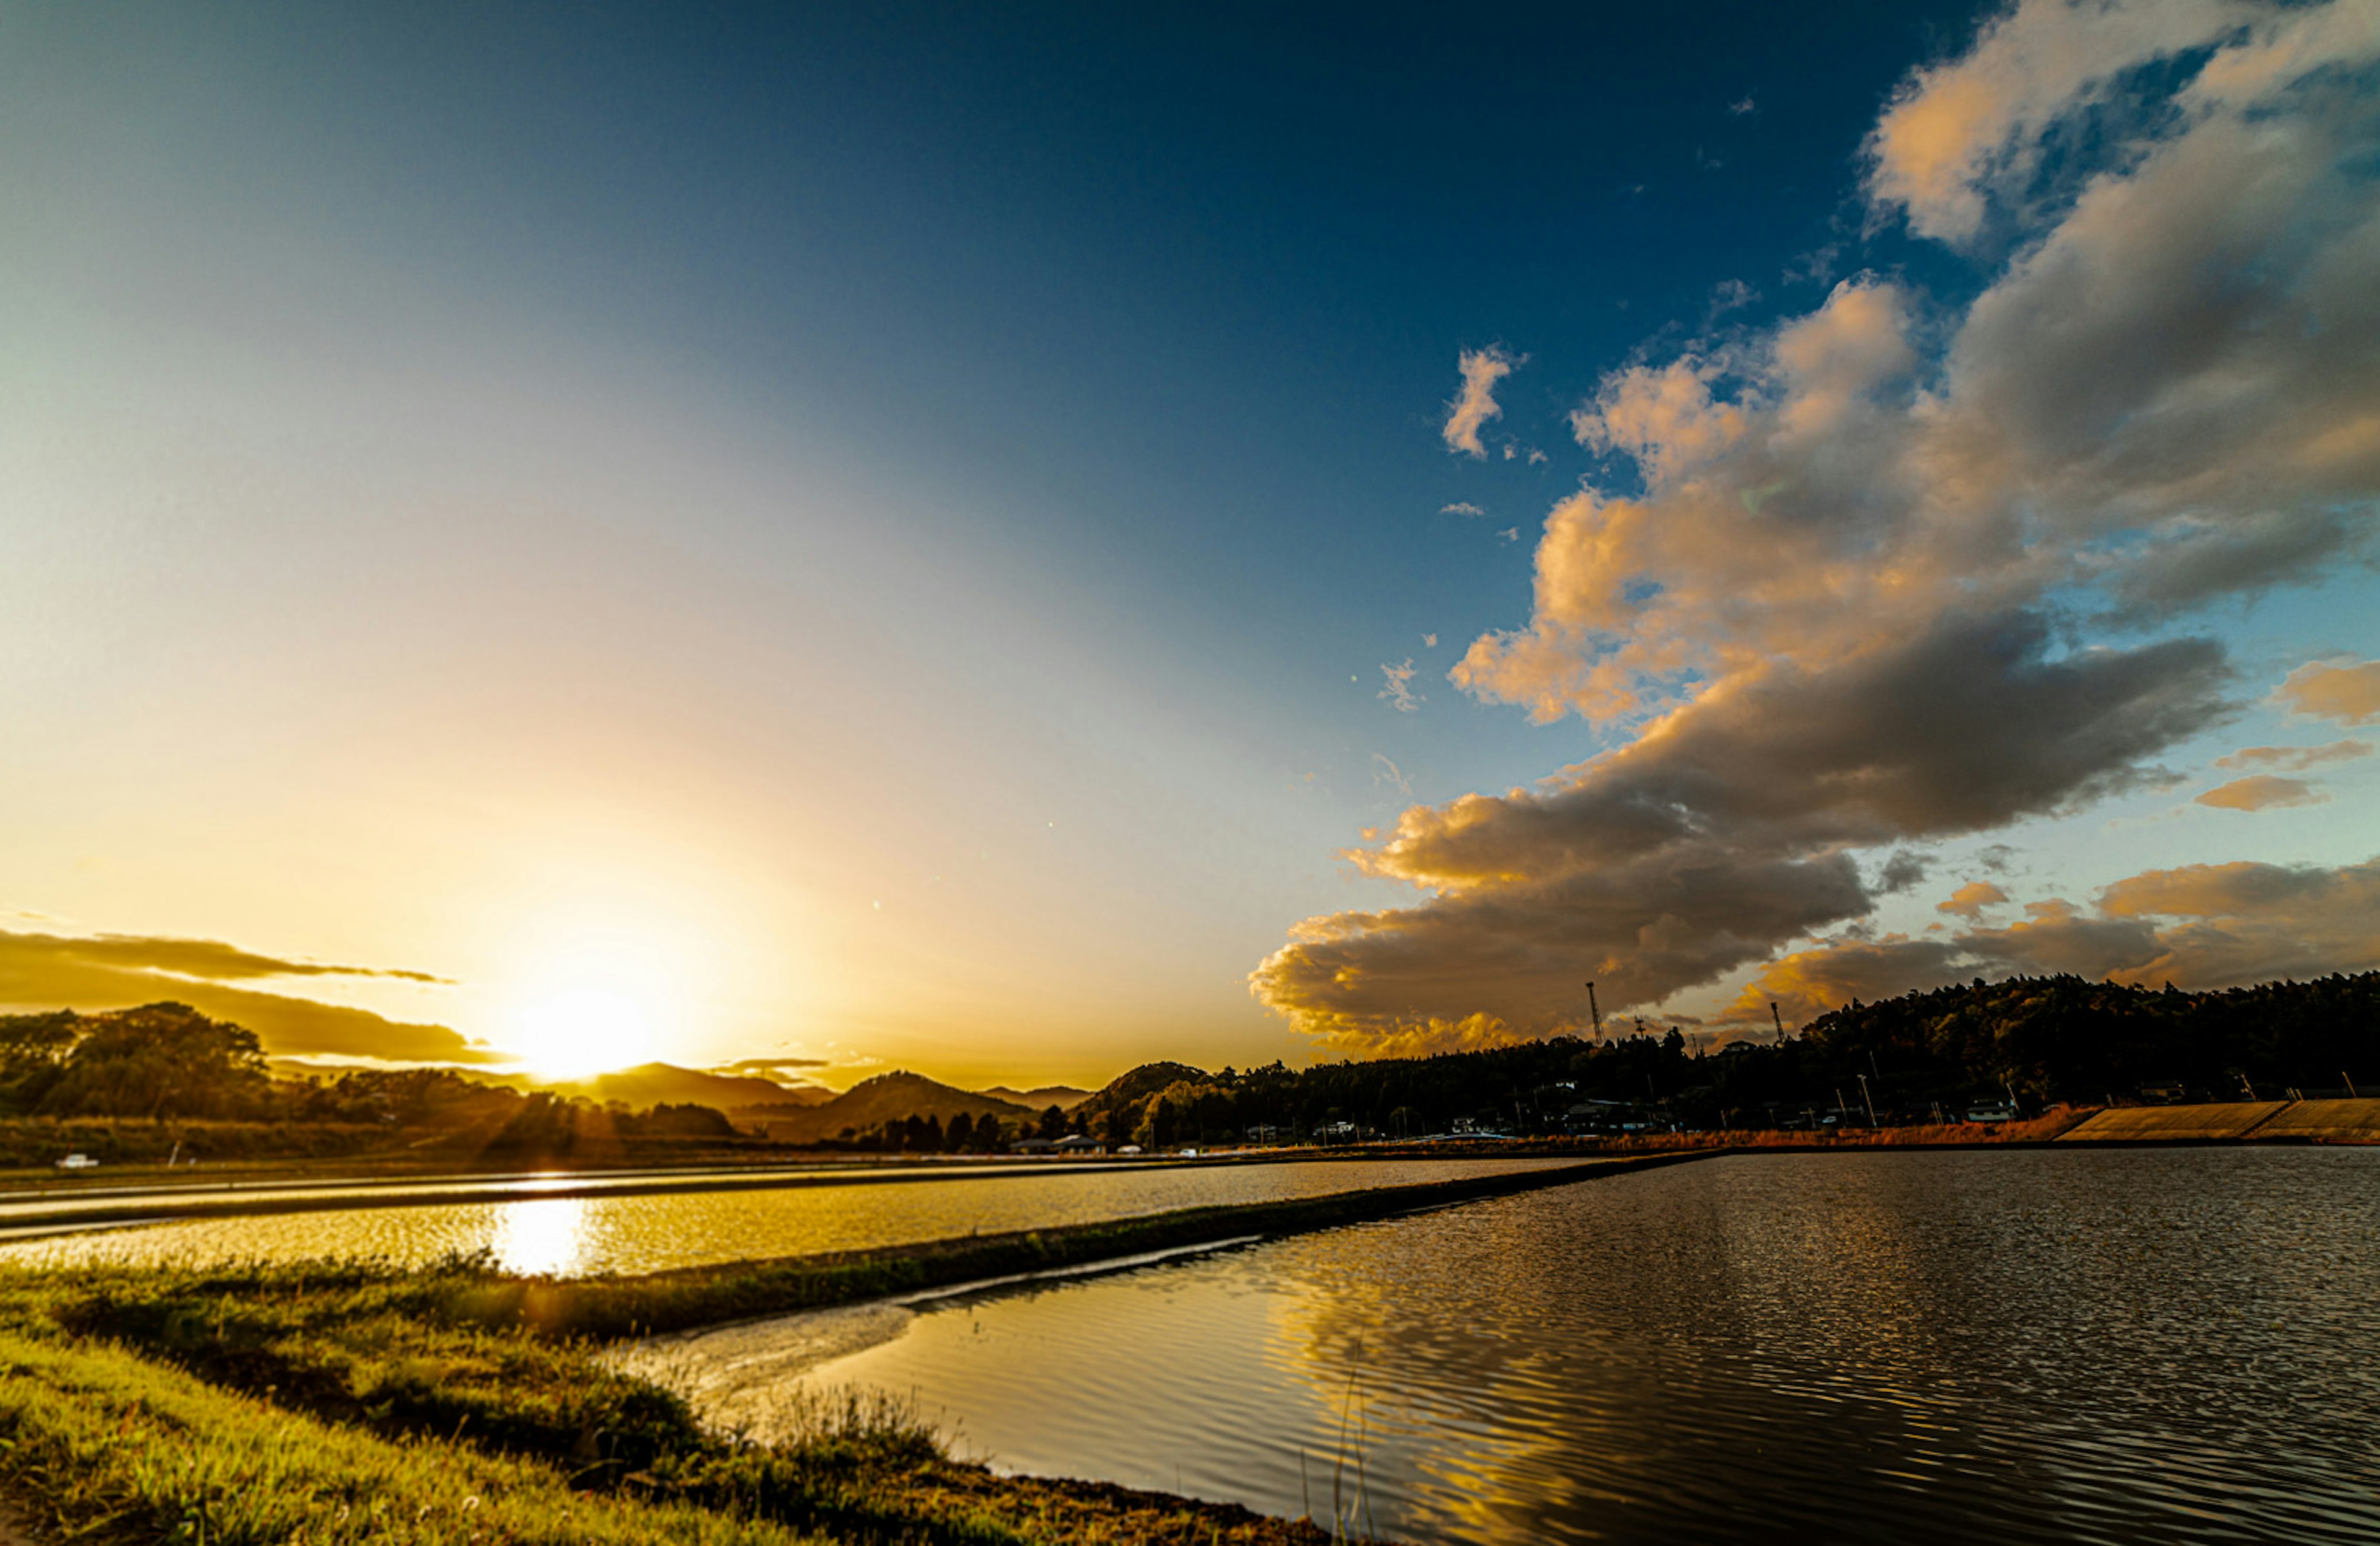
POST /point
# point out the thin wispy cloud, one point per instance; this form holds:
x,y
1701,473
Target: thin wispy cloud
x,y
114,972
1461,507
2294,759
1474,405
1398,693
2262,792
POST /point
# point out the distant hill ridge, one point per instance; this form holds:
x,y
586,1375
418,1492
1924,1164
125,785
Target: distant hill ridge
x,y
657,1083
892,1098
1064,1096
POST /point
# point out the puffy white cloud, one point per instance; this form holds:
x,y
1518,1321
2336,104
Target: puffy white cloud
x,y
1476,403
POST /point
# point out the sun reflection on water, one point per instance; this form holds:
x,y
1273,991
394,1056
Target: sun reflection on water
x,y
545,1237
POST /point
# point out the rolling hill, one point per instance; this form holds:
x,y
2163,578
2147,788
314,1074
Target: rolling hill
x,y
889,1097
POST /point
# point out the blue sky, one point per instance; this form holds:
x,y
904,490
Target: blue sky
x,y
876,534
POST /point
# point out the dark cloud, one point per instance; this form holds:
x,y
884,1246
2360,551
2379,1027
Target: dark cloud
x,y
48,971
1904,871
768,1068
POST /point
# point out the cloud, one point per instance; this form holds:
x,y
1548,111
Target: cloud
x,y
1429,640
2262,792
2295,759
1853,581
1476,403
1463,507
1398,692
1742,106
2199,926
204,958
2348,693
1725,830
1970,130
1901,871
1387,772
114,972
776,1070
1969,900
1728,294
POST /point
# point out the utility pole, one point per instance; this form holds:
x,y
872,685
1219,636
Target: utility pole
x,y
1868,1097
1595,1011
1780,1020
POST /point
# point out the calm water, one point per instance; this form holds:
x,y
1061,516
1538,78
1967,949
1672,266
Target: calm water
x,y
2167,1345
579,1235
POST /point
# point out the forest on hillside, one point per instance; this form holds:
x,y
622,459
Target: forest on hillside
x,y
1922,1056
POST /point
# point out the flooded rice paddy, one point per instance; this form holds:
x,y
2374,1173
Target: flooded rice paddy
x,y
580,1236
2170,1345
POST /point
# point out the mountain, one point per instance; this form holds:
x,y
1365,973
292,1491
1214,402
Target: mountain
x,y
656,1083
1131,1089
889,1097
1064,1096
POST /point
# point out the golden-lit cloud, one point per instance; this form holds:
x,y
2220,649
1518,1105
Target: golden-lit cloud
x,y
112,971
1842,603
1969,900
1476,403
2196,927
2348,694
1957,136
2262,792
2294,759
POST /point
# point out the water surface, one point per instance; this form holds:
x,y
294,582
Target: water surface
x,y
580,1236
2158,1345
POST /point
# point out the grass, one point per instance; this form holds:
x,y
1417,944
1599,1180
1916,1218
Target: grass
x,y
333,1402
356,1402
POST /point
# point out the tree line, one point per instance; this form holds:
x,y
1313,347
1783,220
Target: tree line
x,y
168,1062
1923,1057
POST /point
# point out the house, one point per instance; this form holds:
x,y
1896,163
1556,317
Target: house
x,y
1076,1143
1032,1146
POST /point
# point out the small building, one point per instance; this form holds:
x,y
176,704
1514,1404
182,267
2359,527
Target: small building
x,y
1032,1146
1077,1143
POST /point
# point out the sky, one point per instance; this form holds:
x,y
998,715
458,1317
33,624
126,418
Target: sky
x,y
1015,542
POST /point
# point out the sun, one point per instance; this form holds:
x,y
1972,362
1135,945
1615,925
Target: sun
x,y
583,1031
